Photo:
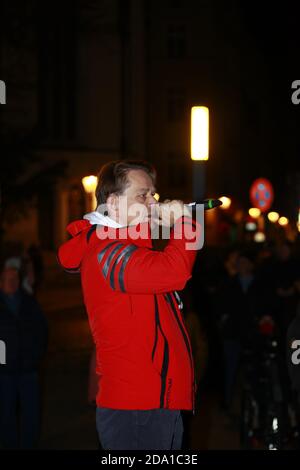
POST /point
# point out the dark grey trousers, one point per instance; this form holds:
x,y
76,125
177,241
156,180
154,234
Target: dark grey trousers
x,y
157,429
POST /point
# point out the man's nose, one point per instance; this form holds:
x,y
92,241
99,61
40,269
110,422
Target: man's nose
x,y
152,200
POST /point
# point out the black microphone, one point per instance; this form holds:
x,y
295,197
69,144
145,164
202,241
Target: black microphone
x,y
208,203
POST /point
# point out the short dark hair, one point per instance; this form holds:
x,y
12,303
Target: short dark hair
x,y
112,177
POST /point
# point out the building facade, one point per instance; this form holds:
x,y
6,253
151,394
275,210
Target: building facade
x,y
107,79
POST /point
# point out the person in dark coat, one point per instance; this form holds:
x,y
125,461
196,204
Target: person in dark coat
x,y
285,273
23,331
293,361
240,304
293,347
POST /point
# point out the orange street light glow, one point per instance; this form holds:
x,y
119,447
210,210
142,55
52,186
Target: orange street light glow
x,y
89,183
273,216
254,212
283,221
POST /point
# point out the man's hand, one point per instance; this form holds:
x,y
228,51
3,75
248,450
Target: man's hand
x,y
170,211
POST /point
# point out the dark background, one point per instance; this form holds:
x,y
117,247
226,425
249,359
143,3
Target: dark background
x,y
91,81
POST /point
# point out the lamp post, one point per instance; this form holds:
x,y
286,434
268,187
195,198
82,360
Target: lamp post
x,y
90,183
199,148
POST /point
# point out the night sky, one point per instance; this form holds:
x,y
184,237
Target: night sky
x,y
267,38
273,30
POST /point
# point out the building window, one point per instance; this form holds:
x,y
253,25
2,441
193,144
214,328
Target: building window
x,y
175,104
176,42
177,170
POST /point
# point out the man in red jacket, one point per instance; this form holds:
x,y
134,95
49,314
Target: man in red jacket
x,y
144,357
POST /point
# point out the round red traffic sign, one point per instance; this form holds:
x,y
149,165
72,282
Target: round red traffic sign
x,y
261,194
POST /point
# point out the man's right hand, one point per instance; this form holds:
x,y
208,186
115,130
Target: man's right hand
x,y
171,210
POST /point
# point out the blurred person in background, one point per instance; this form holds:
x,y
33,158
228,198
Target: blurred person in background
x,y
231,263
293,360
23,329
31,268
25,269
35,265
285,273
240,302
293,334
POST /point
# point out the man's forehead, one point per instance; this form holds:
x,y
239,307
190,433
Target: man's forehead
x,y
139,179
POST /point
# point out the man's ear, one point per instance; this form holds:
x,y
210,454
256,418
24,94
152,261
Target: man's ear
x,y
112,203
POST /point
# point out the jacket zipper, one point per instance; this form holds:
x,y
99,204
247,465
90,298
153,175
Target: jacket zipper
x,y
156,329
169,299
165,363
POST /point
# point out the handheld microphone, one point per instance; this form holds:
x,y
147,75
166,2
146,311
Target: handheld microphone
x,y
208,203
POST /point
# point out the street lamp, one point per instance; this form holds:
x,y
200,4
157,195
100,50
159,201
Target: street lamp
x,y
90,183
226,202
254,212
273,217
259,237
199,132
199,148
283,221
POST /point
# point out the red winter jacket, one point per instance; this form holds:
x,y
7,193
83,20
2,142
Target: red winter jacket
x,y
144,356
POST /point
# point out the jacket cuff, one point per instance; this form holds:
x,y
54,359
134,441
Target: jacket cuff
x,y
186,228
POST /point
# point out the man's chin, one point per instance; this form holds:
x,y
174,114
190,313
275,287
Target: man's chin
x,y
154,221
142,220
147,218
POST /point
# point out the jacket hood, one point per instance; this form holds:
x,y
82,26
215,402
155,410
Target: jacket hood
x,y
97,218
70,254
